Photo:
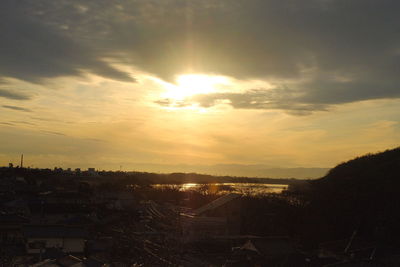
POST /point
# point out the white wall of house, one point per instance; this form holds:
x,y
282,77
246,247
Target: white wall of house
x,y
50,243
71,245
76,245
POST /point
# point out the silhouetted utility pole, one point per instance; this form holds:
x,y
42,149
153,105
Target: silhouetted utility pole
x,y
22,160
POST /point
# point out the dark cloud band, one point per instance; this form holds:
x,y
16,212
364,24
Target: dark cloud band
x,y
327,52
11,94
17,108
31,49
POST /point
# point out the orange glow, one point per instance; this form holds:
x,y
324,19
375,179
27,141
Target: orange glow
x,y
192,84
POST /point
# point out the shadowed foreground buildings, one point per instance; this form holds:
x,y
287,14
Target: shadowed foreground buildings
x,y
45,222
48,218
69,239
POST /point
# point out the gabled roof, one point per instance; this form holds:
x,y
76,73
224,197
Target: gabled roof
x,y
12,218
217,203
60,231
249,246
274,246
46,263
93,262
340,246
70,261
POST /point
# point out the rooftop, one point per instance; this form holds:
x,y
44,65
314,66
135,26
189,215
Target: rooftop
x,y
217,203
61,231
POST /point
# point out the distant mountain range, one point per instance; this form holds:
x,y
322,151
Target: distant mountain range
x,y
263,171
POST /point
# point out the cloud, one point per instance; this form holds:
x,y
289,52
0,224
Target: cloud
x,y
13,95
17,108
329,52
23,122
32,50
7,123
271,99
301,99
55,133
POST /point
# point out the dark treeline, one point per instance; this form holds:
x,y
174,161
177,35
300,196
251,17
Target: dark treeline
x,y
142,178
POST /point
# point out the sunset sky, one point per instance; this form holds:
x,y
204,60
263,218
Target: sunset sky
x,y
280,83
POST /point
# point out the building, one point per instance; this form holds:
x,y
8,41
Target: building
x,y
267,251
10,228
228,207
219,217
66,238
92,172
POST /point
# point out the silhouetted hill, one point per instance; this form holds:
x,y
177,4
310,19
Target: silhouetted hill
x,y
372,174
362,194
380,167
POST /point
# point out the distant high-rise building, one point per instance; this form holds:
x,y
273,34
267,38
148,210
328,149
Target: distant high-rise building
x,y
56,169
92,171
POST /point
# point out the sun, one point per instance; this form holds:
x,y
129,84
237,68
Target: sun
x,y
192,84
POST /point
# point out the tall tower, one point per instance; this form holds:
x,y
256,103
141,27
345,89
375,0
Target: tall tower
x,y
22,160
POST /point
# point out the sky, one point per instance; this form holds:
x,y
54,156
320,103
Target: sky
x,y
144,84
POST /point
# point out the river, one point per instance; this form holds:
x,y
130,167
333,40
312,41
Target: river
x,y
221,188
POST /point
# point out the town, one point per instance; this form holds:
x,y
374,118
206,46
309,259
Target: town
x,y
92,218
65,218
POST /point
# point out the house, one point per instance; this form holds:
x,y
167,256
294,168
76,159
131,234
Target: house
x,y
18,206
10,228
197,227
229,207
353,248
100,245
122,200
219,217
71,261
67,238
66,197
46,263
56,207
266,251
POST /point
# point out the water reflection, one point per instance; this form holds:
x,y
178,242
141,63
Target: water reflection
x,y
222,188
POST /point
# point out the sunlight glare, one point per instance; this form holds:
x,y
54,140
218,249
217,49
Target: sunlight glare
x,y
193,84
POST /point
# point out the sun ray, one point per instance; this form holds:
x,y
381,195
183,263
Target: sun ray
x,y
192,84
